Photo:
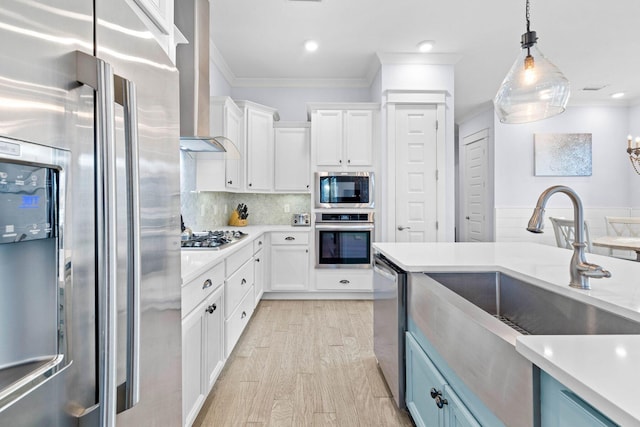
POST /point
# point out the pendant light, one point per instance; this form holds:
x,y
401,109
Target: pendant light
x,y
534,89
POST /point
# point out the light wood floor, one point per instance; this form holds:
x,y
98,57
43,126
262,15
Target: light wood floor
x,y
303,363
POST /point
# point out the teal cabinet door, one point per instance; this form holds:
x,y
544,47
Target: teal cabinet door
x,y
560,407
422,379
458,414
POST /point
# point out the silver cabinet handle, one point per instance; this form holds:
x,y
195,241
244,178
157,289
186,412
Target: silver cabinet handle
x,y
125,95
344,282
211,308
207,284
257,259
401,227
289,238
98,74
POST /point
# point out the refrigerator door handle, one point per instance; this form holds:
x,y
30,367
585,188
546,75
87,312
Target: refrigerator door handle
x,y
125,95
98,74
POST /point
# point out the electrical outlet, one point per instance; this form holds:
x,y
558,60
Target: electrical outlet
x,y
287,209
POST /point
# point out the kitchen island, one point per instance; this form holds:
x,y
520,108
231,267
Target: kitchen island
x,y
601,369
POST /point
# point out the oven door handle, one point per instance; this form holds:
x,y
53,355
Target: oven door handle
x,y
344,227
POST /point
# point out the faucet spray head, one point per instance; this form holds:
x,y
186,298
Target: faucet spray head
x,y
536,223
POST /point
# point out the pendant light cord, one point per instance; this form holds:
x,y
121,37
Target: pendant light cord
x,y
528,16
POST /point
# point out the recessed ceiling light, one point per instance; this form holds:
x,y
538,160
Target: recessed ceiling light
x,y
425,45
311,45
617,95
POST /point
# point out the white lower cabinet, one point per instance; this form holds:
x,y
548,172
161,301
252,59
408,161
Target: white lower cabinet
x,y
290,261
344,280
202,344
259,263
239,295
237,321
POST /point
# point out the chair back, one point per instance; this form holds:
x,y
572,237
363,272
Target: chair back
x,y
566,234
623,226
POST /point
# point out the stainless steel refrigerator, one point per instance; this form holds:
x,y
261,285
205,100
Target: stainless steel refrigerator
x,y
90,329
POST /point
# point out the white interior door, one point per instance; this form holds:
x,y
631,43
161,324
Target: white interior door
x,y
475,190
416,173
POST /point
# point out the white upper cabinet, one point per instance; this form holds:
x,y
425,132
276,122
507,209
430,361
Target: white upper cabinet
x,y
358,137
292,163
158,18
258,126
214,173
343,137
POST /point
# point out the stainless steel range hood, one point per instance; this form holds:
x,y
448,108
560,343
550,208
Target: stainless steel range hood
x,y
192,19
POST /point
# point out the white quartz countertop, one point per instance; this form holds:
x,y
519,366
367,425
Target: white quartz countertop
x,y
602,369
195,262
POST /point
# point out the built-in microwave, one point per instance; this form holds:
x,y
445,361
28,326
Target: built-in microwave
x,y
344,190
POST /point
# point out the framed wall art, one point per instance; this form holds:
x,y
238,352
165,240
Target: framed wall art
x,y
562,154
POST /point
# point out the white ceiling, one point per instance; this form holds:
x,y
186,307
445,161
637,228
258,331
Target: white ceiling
x,y
593,42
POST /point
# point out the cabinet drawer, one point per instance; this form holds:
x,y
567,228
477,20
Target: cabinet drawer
x,y
236,323
258,244
290,238
199,288
237,286
236,260
344,280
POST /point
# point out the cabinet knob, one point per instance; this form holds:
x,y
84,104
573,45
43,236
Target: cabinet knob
x,y
250,184
345,281
440,402
434,393
466,217
211,308
340,161
244,314
243,281
229,182
207,284
349,161
257,259
307,185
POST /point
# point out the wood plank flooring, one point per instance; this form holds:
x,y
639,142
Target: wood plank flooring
x,y
303,363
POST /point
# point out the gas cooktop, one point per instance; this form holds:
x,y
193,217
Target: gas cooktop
x,y
216,240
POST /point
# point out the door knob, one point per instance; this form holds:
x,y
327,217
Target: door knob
x,y
401,227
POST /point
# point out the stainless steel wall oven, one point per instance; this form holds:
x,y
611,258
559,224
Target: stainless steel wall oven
x,y
343,240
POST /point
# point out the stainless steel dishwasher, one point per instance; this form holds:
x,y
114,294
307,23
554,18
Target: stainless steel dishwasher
x,y
389,323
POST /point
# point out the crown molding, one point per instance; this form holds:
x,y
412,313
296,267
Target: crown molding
x,y
300,83
418,58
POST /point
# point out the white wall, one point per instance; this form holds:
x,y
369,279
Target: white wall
x,y
435,78
515,184
218,84
634,129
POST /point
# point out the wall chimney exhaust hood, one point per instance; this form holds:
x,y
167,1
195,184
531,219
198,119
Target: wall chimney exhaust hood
x,y
192,19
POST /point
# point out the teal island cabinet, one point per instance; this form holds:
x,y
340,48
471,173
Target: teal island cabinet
x,y
435,395
560,407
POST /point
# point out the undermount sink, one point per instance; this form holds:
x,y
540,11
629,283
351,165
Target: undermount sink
x,y
472,320
532,310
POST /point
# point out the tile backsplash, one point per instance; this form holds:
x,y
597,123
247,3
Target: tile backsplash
x,y
210,210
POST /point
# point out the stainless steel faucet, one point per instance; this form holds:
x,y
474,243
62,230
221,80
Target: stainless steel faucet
x,y
580,269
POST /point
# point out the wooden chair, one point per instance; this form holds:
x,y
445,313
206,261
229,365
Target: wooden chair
x,y
623,226
566,234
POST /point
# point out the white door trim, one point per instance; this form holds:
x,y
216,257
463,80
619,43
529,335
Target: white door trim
x,y
394,98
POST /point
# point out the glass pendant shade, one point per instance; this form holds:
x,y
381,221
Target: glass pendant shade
x,y
534,89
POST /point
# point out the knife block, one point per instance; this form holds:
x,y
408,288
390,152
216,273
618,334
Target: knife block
x,y
236,221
